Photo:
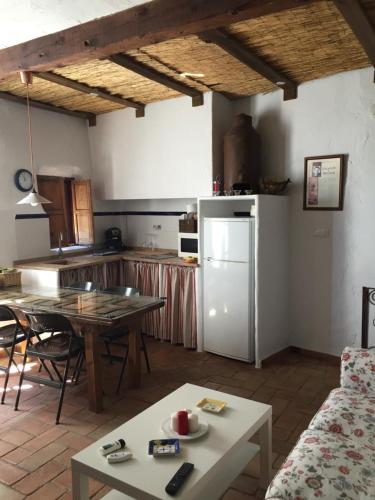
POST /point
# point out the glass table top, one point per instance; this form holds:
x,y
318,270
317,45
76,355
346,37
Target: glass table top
x,y
94,305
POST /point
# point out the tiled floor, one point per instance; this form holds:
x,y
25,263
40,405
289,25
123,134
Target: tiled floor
x,y
35,453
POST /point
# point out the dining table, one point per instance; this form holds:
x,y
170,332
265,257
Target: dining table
x,y
91,314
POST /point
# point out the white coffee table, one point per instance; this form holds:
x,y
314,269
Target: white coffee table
x,y
218,457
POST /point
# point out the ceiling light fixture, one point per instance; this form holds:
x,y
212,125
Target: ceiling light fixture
x,y
33,198
192,75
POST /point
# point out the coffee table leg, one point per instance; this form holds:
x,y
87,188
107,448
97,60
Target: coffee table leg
x,y
80,485
134,357
265,441
93,369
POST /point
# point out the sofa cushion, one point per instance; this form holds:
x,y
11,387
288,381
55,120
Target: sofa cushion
x,y
349,413
358,370
325,465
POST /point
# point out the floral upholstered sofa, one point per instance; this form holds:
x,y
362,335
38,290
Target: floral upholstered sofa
x,y
335,457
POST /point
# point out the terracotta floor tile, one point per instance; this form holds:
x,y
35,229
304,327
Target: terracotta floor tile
x,y
295,384
9,473
75,441
16,437
65,456
42,456
50,491
17,455
7,493
45,438
6,447
37,479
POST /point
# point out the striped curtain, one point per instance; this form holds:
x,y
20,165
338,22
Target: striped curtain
x,y
82,274
145,277
176,322
179,316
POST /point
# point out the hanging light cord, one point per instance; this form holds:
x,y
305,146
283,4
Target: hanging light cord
x,y
30,135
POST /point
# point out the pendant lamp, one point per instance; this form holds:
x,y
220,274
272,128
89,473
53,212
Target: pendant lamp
x,y
33,198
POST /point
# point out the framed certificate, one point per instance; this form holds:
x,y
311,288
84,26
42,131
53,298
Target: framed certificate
x,y
324,183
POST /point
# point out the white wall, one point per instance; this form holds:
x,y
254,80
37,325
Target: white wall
x,y
60,143
331,116
166,154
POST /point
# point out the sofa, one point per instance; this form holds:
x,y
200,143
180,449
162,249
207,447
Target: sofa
x,y
335,457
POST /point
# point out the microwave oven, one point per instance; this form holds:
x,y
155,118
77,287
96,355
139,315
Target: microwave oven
x,y
188,244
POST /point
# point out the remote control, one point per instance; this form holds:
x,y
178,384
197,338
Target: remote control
x,y
179,478
120,456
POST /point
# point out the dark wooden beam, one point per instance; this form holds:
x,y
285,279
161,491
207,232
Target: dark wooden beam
x,y
246,56
49,107
133,28
82,87
151,74
355,16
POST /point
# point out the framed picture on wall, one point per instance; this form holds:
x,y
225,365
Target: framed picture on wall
x,y
323,183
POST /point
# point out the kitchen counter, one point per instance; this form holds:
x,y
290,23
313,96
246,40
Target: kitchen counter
x,y
76,261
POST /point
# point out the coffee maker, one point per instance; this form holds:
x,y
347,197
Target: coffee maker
x,y
113,239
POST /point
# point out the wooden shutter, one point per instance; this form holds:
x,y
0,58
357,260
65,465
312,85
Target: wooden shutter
x,y
82,212
57,190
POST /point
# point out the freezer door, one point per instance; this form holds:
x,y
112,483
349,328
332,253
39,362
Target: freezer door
x,y
228,309
227,239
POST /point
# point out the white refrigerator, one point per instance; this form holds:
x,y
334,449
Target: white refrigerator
x,y
228,287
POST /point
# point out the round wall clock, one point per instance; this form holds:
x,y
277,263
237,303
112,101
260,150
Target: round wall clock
x,y
23,180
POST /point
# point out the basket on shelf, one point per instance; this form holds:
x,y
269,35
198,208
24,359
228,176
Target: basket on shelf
x,y
10,278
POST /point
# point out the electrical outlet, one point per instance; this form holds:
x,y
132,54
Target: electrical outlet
x,y
156,227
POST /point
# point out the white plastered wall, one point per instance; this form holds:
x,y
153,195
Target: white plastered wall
x,y
332,115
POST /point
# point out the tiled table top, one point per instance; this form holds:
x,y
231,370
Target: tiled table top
x,y
99,306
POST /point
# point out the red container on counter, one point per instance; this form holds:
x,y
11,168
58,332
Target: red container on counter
x,y
182,422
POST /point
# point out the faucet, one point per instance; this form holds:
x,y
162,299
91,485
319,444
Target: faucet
x,y
60,252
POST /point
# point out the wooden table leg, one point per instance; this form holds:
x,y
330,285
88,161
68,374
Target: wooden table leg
x,y
265,442
134,357
93,367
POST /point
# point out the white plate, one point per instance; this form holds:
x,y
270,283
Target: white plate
x,y
166,428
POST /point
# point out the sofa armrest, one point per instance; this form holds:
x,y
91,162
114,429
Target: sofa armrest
x,y
358,370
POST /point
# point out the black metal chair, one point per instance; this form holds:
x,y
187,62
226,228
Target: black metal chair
x,y
61,345
10,335
111,339
85,286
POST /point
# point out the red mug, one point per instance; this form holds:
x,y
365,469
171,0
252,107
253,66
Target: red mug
x,y
182,423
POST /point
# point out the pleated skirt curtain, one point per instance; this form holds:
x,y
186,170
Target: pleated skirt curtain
x,y
176,322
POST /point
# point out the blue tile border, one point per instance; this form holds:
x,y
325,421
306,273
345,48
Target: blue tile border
x,y
104,214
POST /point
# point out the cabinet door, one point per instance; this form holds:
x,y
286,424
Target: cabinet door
x,y
82,212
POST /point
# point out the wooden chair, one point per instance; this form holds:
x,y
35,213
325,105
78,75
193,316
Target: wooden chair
x,y
61,345
112,338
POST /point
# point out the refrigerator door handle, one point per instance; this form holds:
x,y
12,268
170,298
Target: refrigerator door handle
x,y
210,259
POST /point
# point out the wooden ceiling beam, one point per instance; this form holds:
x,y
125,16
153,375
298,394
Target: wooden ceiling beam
x,y
246,56
94,91
141,69
91,117
142,25
355,16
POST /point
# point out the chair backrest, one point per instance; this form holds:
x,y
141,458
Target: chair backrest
x,y
45,322
87,286
126,291
6,314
